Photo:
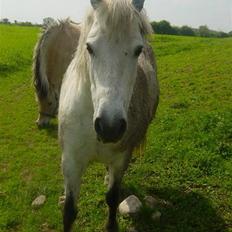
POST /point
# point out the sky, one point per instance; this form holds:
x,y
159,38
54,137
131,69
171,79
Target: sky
x,y
216,14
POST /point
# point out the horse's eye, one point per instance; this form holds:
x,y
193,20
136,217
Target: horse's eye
x,y
89,48
138,50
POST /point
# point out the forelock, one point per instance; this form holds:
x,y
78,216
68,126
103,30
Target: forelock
x,y
117,17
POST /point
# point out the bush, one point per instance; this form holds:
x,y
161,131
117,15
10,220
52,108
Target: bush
x,y
164,27
186,30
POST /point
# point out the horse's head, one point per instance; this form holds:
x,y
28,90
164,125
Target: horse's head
x,y
47,108
114,44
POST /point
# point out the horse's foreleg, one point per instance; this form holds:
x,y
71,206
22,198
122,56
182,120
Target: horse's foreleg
x,y
72,170
70,211
112,199
113,194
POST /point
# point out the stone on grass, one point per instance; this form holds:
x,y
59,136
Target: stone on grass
x,y
106,180
46,228
156,216
39,201
61,200
167,204
151,202
132,229
154,202
131,205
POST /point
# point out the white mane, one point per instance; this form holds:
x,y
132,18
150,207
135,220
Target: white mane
x,y
115,16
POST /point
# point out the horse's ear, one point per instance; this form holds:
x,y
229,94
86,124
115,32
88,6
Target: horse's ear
x,y
95,3
138,4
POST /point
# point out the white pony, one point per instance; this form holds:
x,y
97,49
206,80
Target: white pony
x,y
108,98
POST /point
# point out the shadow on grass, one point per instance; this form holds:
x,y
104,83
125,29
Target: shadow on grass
x,y
51,129
188,212
6,70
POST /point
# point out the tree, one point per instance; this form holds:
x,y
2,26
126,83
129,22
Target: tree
x,y
186,30
176,30
164,27
222,34
154,26
204,31
5,20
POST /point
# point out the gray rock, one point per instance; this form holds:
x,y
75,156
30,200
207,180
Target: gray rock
x,y
151,202
167,204
156,216
131,205
132,229
154,202
106,179
61,200
39,201
45,227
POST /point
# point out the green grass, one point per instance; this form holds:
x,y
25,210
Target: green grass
x,y
189,147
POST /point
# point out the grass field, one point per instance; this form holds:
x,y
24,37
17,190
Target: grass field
x,y
188,159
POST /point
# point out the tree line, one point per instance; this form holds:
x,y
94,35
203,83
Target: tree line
x,y
164,27
26,23
161,27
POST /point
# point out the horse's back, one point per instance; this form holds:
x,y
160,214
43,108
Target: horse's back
x,y
61,48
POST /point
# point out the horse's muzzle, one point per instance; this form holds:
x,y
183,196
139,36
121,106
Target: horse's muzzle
x,y
110,132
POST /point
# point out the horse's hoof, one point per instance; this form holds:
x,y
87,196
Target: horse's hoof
x,y
42,123
112,227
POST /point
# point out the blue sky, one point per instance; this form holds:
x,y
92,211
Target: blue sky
x,y
217,14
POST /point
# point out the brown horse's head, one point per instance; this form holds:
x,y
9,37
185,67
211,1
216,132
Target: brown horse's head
x,y
47,108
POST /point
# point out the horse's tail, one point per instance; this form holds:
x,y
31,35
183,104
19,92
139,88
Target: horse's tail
x,y
40,79
51,33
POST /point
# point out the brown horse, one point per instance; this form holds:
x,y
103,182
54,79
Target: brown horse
x,y
52,55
